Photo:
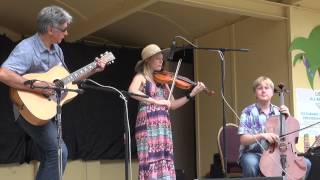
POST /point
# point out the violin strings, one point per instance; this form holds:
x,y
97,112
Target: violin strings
x,y
257,141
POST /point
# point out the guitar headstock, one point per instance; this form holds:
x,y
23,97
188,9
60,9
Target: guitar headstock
x,y
108,56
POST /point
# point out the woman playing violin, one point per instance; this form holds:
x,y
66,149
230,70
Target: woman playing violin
x,y
252,127
153,127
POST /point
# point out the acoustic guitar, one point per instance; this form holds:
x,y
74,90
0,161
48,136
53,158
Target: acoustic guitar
x,y
38,109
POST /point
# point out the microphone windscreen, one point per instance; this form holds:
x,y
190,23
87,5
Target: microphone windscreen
x,y
78,82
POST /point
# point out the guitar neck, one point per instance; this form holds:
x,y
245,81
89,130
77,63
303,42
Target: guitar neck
x,y
79,73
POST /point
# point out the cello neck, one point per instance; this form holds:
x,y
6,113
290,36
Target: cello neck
x,y
281,92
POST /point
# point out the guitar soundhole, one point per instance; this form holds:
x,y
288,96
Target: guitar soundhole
x,y
58,83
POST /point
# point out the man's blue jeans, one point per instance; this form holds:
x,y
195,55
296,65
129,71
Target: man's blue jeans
x,y
249,163
45,137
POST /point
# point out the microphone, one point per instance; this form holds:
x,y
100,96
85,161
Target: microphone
x,y
243,49
301,154
79,82
30,82
172,49
80,91
308,153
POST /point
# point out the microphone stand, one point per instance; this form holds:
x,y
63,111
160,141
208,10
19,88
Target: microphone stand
x,y
123,95
209,49
221,52
58,92
222,66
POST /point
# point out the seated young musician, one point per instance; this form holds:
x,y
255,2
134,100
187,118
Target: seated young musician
x,y
252,128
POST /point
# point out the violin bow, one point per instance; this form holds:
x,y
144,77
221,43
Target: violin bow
x,y
174,78
284,135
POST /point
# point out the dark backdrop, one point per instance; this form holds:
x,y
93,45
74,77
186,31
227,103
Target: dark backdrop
x,y
92,123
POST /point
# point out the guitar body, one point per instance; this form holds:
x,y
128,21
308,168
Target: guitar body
x,y
36,108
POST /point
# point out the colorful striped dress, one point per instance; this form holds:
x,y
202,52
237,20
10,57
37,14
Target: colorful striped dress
x,y
154,137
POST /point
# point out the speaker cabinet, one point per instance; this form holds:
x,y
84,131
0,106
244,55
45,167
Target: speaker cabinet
x,y
314,171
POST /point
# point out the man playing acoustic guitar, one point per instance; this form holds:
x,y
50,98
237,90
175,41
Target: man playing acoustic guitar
x,y
39,54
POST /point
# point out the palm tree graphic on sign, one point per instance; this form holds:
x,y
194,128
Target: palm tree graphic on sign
x,y
310,54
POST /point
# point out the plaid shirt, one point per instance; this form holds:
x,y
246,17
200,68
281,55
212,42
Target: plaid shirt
x,y
252,121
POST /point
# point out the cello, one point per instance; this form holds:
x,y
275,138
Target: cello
x,y
281,159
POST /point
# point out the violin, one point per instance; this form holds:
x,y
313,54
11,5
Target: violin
x,y
281,158
165,77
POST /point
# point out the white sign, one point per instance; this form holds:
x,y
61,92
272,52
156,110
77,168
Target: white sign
x,y
308,110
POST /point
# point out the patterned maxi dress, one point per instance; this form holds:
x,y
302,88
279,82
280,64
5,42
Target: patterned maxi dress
x,y
154,137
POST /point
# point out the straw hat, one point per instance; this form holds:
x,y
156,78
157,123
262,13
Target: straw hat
x,y
149,51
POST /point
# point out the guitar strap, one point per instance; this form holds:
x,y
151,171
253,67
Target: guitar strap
x,y
61,59
16,112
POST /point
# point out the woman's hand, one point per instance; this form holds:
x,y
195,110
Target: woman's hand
x,y
197,89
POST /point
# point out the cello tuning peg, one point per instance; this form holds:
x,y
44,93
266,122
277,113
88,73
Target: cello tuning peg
x,y
281,85
282,88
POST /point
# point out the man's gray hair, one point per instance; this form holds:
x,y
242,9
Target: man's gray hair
x,y
52,16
